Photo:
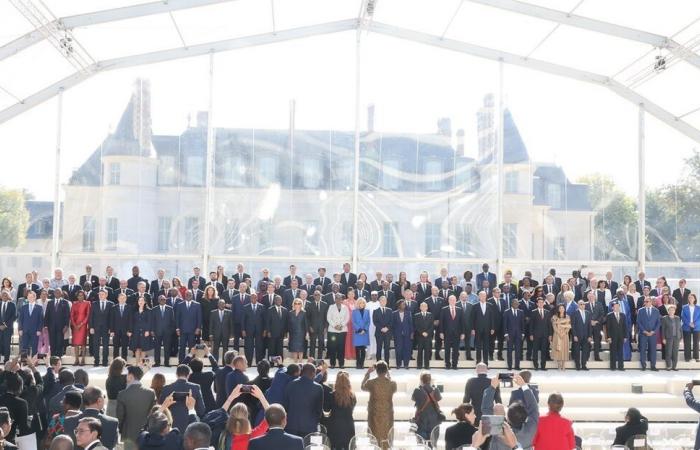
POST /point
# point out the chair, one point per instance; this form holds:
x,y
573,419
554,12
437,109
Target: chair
x,y
638,442
316,439
362,441
435,437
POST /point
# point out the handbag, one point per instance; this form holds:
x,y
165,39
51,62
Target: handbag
x,y
430,401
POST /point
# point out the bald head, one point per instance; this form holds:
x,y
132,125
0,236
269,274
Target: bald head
x,y
61,442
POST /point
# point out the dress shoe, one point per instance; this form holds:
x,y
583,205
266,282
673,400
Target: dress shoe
x,y
623,369
644,369
654,369
585,368
437,358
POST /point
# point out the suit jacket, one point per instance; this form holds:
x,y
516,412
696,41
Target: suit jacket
x,y
133,407
57,316
423,292
277,324
681,297
550,289
516,395
197,294
204,380
639,285
113,282
179,409
133,282
93,296
18,409
155,288
474,392
401,328
237,305
220,328
128,292
33,323
540,325
423,324
289,296
362,293
513,325
239,277
597,313
648,321
383,317
687,320
276,438
452,328
220,384
94,279
435,305
468,312
580,327
55,403
100,320
347,280
201,279
217,285
490,277
304,398
253,320
233,379
499,305
671,329
325,284
616,330
10,316
316,316
110,425
287,281
120,321
163,321
70,291
483,322
22,290
188,320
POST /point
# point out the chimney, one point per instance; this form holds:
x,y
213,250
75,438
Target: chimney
x,y
460,142
202,119
370,118
445,127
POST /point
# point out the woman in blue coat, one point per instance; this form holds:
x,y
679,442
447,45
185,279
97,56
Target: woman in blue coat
x,y
690,318
360,332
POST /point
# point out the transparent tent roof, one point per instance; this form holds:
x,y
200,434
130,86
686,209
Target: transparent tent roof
x,y
636,48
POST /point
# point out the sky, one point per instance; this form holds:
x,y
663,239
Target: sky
x,y
582,127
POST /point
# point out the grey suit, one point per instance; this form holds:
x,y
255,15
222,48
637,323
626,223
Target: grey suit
x,y
671,332
138,401
110,433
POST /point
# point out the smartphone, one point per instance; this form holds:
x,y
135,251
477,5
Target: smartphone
x,y
41,355
505,376
246,388
275,360
199,347
180,396
492,425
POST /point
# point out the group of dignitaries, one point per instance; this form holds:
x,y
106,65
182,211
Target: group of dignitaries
x,y
346,314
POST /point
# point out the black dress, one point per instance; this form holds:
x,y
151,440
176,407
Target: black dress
x,y
141,322
340,424
207,305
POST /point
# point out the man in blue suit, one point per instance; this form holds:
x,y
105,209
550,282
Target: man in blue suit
x,y
402,329
513,333
8,315
163,324
276,438
253,329
220,377
237,375
648,323
31,321
188,319
485,276
179,408
582,331
56,320
305,398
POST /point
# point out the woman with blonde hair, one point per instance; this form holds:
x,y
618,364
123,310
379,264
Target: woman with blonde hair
x,y
360,332
340,422
238,429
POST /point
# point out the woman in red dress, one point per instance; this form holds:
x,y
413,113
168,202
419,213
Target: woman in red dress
x,y
350,303
79,314
180,288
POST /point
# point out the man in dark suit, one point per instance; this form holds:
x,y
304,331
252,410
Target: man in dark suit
x,y
452,331
463,302
485,275
240,275
140,293
94,295
309,285
445,291
382,318
292,276
513,332
238,303
112,281
518,395
556,279
8,316
582,332
196,293
98,322
597,320
220,376
305,397
157,284
385,291
361,291
276,438
56,320
291,294
163,325
215,283
134,405
188,322
124,289
435,305
196,276
483,321
641,282
16,405
253,329
549,286
540,334
441,280
648,326
423,287
88,276
277,326
237,375
70,289
179,409
229,292
424,331
376,284
317,318
136,278
500,304
681,293
120,324
616,330
93,405
474,390
29,285
323,281
220,324
347,279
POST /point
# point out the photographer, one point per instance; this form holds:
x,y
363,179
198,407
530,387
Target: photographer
x,y
428,414
695,405
522,417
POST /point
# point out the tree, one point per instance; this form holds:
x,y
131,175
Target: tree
x,y
14,218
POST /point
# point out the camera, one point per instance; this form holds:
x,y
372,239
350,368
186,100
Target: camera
x,y
199,347
246,388
492,425
440,388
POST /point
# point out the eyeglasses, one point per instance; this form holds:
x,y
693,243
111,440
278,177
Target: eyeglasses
x,y
77,431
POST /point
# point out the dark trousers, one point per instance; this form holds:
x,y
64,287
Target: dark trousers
x,y
481,343
580,352
540,345
100,341
424,352
647,347
174,345
438,342
29,341
403,347
121,343
360,354
616,357
5,339
336,348
276,347
237,335
596,340
451,351
497,336
220,342
254,344
689,337
56,341
187,341
468,338
165,341
317,342
514,344
383,345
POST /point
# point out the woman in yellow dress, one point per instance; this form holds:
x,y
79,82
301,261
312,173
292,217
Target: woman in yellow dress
x,y
561,324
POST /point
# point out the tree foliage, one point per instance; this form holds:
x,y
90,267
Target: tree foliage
x,y
14,218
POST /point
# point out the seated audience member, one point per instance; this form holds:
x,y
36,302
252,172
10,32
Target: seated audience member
x,y
159,434
461,433
71,407
87,434
474,390
304,397
238,428
554,432
5,426
61,442
276,438
517,393
179,409
197,436
94,402
635,423
522,416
